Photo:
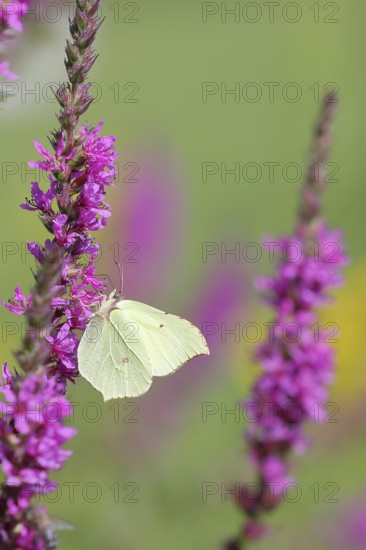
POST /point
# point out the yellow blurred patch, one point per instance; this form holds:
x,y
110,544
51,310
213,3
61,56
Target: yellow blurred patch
x,y
348,312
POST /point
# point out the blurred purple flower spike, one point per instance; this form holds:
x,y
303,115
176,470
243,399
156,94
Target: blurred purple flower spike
x,y
218,301
348,529
297,368
12,14
152,222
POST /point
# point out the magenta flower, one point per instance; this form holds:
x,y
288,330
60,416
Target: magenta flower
x,y
5,71
12,13
19,304
32,433
11,16
33,415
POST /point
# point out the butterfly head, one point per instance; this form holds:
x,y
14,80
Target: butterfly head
x,y
109,303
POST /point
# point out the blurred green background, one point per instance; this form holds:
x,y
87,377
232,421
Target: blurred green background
x,y
145,468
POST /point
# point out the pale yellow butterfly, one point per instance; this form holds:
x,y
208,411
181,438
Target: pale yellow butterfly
x,y
127,343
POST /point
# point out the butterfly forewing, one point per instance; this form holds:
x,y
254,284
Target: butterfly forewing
x,y
170,340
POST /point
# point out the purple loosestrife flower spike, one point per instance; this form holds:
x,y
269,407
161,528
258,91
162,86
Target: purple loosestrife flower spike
x,y
297,367
32,429
12,14
11,17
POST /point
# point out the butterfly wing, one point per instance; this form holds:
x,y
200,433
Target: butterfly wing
x,y
169,340
111,360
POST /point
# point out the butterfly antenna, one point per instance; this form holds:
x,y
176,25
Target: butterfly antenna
x,y
120,268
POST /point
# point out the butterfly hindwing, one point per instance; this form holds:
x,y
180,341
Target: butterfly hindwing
x,y
111,362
